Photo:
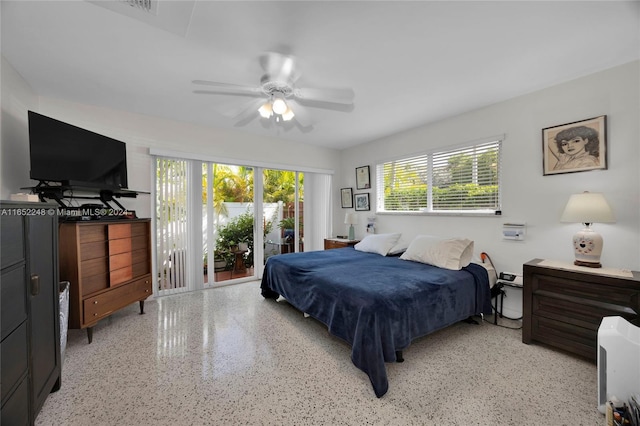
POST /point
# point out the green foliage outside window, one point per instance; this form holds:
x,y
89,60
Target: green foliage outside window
x,y
238,230
469,196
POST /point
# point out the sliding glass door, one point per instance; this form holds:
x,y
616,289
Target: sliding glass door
x,y
228,222
283,206
209,231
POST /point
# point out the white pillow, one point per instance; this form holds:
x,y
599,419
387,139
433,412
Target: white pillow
x,y
378,243
420,244
453,253
400,247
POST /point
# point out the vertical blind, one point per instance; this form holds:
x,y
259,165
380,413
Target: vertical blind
x,y
317,210
464,179
171,217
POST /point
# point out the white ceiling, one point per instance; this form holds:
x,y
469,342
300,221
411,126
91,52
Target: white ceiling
x,y
409,63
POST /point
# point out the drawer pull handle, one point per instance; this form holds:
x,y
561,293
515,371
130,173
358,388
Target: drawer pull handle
x,y
95,315
95,302
35,284
146,291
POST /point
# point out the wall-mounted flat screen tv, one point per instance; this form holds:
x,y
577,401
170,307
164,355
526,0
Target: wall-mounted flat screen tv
x,y
67,154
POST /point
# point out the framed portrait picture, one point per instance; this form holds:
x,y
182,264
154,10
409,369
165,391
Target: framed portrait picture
x,y
346,198
363,178
362,202
575,147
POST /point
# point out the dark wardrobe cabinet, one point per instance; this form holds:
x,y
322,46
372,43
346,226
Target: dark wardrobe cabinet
x,y
30,313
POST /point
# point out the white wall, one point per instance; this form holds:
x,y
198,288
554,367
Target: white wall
x,y
140,133
17,97
527,194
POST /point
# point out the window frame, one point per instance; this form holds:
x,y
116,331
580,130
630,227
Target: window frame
x,y
430,154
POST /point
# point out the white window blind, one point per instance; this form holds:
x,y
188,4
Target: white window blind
x,y
464,179
171,217
317,210
405,184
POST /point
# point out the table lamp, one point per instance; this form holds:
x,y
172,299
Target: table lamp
x,y
587,208
351,219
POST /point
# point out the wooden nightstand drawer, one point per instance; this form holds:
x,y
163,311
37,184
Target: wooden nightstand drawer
x,y
330,243
139,229
120,276
92,234
95,283
119,260
565,336
94,250
97,266
118,231
581,312
588,288
122,245
105,303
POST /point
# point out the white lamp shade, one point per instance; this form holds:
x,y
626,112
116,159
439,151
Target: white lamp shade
x,y
265,110
351,218
288,114
588,207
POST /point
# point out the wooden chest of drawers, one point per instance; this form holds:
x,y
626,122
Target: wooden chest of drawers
x,y
108,265
564,307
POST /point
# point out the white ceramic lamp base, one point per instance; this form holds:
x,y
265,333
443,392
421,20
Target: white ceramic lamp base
x,y
588,247
352,234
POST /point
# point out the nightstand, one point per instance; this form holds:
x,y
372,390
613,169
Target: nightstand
x,y
564,304
334,243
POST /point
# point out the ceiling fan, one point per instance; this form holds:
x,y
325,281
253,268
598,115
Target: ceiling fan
x,y
278,97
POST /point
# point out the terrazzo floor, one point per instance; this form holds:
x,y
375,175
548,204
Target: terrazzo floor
x,y
226,356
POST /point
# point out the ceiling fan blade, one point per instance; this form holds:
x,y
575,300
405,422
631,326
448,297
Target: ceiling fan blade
x,y
333,96
227,89
216,83
244,111
301,114
279,67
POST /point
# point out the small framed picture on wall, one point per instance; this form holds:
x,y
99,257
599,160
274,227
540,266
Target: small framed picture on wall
x,y
346,198
362,202
363,178
575,147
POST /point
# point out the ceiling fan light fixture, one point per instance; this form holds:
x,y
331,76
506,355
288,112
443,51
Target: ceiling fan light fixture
x,y
266,111
279,105
288,114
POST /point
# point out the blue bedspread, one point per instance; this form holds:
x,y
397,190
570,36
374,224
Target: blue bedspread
x,y
377,304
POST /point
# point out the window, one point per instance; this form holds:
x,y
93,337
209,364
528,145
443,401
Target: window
x,y
461,180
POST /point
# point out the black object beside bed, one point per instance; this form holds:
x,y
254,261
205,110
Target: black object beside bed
x,y
377,304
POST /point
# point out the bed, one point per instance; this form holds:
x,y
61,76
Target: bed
x,y
377,304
